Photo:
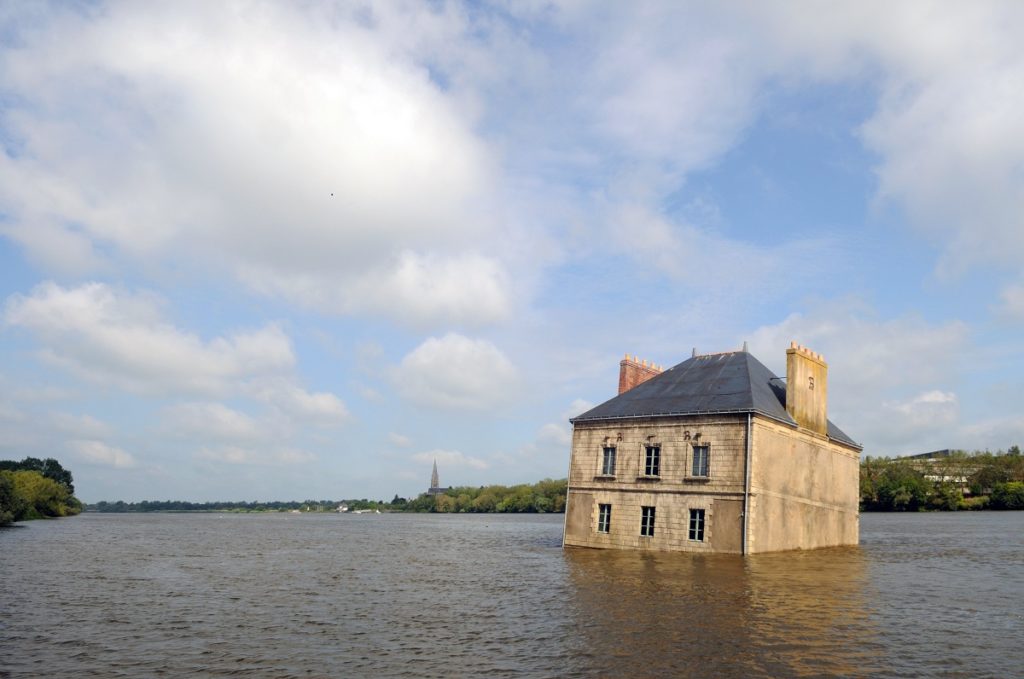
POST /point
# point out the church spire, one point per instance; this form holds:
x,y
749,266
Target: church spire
x,y
434,481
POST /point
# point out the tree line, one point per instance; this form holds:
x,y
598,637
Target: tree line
x,y
121,507
35,489
541,497
961,480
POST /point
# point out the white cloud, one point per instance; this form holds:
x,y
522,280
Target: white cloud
x,y
241,455
674,248
415,288
671,88
864,351
450,458
557,434
946,130
97,452
147,133
10,414
206,421
131,117
667,89
117,338
1012,302
993,433
888,378
920,418
399,440
456,372
577,407
80,426
322,408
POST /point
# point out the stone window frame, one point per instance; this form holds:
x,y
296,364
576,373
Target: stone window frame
x,y
697,526
692,461
648,516
605,471
604,517
648,470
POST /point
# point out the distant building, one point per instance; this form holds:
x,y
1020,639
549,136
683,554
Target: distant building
x,y
934,455
716,454
942,466
435,483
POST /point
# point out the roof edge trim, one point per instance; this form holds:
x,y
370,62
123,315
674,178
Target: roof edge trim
x,y
794,425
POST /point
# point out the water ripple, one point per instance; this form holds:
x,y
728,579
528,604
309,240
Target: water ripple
x,y
422,596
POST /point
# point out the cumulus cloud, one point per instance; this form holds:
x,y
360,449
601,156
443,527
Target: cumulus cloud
x,y
993,433
450,458
399,440
635,227
1012,302
945,125
121,341
114,337
925,417
946,129
456,372
100,453
206,421
559,434
80,426
889,379
10,414
241,455
360,175
415,288
310,407
866,352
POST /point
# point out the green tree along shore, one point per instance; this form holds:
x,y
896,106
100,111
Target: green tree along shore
x,y
35,489
963,480
978,480
544,496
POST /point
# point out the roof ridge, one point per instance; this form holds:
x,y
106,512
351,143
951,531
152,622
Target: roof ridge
x,y
728,385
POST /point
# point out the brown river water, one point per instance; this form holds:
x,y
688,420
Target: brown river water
x,y
283,595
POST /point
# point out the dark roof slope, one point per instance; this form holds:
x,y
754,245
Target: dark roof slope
x,y
733,382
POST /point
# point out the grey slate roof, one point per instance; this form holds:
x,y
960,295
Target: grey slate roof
x,y
733,382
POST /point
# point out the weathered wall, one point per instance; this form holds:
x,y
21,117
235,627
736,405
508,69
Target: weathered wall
x,y
579,508
671,524
728,535
725,435
804,490
673,493
807,388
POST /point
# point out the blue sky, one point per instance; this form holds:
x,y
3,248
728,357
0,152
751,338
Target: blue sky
x,y
272,251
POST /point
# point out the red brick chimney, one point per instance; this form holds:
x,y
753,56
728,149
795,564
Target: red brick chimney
x,y
633,372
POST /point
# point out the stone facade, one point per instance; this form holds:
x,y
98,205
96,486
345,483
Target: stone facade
x,y
796,485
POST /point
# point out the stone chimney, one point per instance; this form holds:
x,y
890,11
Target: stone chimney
x,y
807,388
633,372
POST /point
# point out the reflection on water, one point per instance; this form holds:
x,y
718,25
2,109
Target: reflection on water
x,y
423,596
650,614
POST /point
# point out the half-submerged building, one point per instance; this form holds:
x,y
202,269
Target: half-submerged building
x,y
716,454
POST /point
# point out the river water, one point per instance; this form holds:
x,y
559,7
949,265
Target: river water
x,y
284,595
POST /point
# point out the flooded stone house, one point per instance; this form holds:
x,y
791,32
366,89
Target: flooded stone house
x,y
716,454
